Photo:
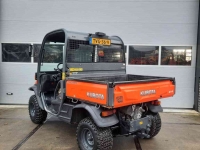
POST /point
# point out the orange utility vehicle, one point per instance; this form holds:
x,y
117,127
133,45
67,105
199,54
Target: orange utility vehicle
x,y
81,79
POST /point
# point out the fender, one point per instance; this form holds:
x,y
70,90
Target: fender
x,y
95,115
155,109
34,88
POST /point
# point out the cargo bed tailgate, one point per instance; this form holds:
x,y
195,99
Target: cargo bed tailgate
x,y
119,90
134,93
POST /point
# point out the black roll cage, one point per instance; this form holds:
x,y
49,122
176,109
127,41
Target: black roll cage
x,y
74,35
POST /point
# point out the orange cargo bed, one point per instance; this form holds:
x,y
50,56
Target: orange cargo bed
x,y
118,91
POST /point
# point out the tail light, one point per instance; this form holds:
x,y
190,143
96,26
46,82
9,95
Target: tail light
x,y
156,103
36,76
108,112
36,81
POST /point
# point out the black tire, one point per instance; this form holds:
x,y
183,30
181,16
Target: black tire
x,y
37,115
100,139
156,125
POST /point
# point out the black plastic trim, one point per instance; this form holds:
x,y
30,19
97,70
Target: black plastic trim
x,y
95,115
155,109
110,99
34,88
143,81
123,82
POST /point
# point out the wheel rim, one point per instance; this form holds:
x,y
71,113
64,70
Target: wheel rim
x,y
87,139
32,109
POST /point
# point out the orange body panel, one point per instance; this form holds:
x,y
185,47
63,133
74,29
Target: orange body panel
x,y
131,93
79,90
124,94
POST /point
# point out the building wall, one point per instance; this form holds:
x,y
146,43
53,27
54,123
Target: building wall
x,y
144,22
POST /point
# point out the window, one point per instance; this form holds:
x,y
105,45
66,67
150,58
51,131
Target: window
x,y
36,49
15,52
176,55
143,55
53,53
125,47
81,52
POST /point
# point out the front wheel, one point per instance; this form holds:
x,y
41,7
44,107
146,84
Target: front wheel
x,y
155,125
37,115
91,137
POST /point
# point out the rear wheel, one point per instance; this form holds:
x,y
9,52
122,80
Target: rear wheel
x,y
155,126
37,115
91,137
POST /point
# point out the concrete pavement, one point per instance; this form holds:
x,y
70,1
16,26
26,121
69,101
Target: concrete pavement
x,y
180,131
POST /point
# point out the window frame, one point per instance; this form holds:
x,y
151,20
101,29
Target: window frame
x,y
192,47
1,60
33,58
123,57
154,45
193,61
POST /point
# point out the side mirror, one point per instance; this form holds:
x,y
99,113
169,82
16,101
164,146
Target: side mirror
x,y
30,51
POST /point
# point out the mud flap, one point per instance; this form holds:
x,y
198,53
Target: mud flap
x,y
155,109
95,115
34,88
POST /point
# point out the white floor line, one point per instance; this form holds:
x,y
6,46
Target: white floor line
x,y
180,111
13,106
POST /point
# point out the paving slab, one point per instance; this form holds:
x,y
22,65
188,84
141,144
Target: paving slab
x,y
54,134
180,131
15,125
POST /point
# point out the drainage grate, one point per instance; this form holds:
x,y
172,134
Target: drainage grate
x,y
29,135
26,138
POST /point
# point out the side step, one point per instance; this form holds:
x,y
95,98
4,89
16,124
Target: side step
x,y
66,111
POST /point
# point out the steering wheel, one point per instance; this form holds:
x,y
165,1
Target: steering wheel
x,y
58,68
57,76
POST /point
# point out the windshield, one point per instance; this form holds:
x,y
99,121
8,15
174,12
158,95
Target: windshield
x,y
82,52
52,55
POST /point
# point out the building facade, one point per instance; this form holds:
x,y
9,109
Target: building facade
x,y
160,36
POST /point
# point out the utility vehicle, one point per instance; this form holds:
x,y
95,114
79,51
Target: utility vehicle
x,y
81,78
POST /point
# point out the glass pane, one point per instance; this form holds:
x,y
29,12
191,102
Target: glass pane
x,y
15,52
143,55
176,55
53,53
112,53
36,49
81,52
125,47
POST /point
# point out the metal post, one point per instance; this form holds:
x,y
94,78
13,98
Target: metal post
x,y
95,54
